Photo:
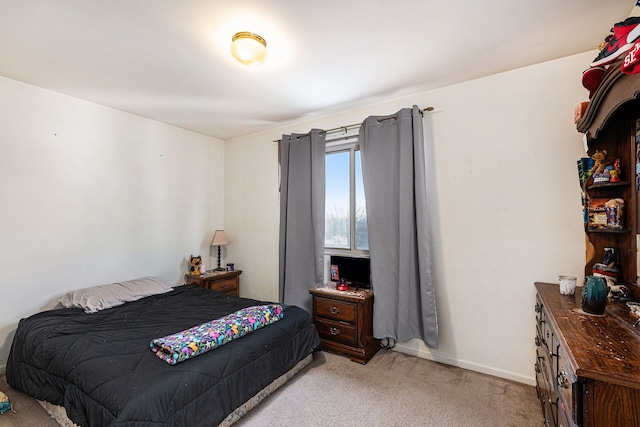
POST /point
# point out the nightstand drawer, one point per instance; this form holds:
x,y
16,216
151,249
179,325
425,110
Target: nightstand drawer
x,y
228,285
336,310
337,332
227,282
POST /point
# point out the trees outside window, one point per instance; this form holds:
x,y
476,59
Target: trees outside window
x,y
345,211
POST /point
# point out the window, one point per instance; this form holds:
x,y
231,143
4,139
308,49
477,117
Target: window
x,y
345,211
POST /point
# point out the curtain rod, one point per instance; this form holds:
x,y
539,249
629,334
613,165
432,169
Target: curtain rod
x,y
358,124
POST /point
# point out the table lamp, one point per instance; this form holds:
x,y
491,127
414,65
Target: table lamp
x,y
219,239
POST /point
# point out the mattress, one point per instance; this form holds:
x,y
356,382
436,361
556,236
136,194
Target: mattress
x,y
100,368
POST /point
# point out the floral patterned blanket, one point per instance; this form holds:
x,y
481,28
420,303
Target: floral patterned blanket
x,y
200,339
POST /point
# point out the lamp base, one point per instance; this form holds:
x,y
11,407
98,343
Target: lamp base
x,y
219,268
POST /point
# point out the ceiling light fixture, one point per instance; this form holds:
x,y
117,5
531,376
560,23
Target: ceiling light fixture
x,y
248,48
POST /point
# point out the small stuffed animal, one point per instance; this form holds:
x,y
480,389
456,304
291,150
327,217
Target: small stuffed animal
x,y
600,162
5,405
195,262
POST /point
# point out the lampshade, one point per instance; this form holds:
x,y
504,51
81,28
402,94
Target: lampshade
x,y
248,48
219,239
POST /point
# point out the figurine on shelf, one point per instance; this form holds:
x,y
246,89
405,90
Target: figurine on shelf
x,y
615,172
600,162
608,268
614,209
610,258
601,167
620,292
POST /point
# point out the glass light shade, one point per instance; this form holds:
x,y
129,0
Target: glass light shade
x,y
248,48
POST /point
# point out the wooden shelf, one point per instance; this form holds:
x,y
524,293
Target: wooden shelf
x,y
609,230
618,138
608,185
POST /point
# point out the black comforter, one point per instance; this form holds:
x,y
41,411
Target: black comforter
x,y
100,368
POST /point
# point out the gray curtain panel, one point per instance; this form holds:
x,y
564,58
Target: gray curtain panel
x,y
393,169
301,216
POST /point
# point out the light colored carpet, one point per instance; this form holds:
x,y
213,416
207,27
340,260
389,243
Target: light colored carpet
x,y
393,389
28,412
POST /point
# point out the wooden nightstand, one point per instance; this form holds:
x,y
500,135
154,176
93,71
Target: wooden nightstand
x,y
344,320
221,281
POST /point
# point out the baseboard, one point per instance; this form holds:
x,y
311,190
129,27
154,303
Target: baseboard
x,y
465,365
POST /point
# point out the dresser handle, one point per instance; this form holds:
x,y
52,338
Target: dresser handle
x,y
334,331
562,380
223,286
334,310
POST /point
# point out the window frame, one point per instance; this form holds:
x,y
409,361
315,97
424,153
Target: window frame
x,y
347,143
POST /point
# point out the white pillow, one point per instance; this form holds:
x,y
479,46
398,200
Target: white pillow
x,y
101,297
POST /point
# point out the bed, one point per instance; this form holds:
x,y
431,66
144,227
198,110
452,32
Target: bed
x,y
100,368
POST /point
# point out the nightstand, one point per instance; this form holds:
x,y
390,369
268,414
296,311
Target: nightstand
x,y
221,281
344,320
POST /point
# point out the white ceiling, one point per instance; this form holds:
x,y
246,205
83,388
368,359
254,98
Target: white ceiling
x,y
169,60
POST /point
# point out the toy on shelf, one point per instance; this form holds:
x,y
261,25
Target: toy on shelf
x,y
600,164
610,271
608,268
615,172
603,170
614,211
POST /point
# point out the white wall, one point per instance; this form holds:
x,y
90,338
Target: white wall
x,y
90,195
504,200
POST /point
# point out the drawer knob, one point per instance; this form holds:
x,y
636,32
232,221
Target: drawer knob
x,y
538,308
537,341
334,310
223,285
334,331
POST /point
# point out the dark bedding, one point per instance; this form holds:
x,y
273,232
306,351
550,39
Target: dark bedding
x,y
100,368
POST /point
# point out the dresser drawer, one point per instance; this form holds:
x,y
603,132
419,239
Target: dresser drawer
x,y
343,333
228,285
336,310
566,382
545,390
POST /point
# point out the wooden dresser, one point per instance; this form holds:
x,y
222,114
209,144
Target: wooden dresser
x,y
344,320
221,281
587,367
